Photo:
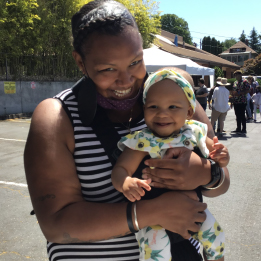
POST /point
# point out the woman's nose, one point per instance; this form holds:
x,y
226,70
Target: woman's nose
x,y
125,79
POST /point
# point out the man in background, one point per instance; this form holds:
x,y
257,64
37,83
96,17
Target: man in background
x,y
211,102
220,106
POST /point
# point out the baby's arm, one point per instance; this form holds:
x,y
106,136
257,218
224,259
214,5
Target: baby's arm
x,y
218,152
122,173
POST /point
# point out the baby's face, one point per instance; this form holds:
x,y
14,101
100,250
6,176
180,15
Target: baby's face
x,y
166,108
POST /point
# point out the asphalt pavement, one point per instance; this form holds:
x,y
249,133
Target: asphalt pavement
x,y
238,211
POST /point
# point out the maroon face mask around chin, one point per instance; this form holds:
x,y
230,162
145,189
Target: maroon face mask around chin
x,y
123,105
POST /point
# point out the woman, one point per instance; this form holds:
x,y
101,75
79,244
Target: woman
x,y
68,161
202,94
253,86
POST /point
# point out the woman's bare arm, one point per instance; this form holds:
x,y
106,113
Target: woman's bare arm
x,y
200,115
222,189
225,186
64,216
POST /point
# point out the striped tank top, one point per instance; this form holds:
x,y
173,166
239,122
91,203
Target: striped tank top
x,y
94,172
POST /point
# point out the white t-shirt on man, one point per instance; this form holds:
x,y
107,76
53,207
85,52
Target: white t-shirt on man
x,y
220,97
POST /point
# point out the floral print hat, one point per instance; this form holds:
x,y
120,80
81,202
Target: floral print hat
x,y
174,76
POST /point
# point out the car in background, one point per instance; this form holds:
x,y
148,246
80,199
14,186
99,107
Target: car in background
x,y
255,77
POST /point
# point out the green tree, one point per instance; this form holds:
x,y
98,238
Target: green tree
x,y
147,17
212,45
18,26
206,44
218,72
43,28
254,41
55,26
176,25
252,66
228,43
243,37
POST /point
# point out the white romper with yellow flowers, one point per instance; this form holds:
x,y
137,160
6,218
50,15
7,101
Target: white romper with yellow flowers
x,y
192,134
153,241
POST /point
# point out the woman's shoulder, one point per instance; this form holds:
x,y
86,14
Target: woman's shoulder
x,y
50,119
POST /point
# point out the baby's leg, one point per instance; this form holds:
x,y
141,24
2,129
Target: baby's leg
x,y
154,244
212,237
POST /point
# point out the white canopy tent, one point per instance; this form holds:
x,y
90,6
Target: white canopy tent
x,y
155,59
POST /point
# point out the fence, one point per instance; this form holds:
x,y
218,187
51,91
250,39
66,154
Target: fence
x,y
38,68
24,96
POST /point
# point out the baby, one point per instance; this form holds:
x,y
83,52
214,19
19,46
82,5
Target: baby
x,y
169,104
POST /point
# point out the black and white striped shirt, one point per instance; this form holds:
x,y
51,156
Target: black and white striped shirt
x,y
94,173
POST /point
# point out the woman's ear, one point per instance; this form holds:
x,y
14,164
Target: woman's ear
x,y
78,59
190,113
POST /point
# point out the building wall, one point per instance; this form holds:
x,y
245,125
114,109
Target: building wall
x,y
228,72
238,58
28,95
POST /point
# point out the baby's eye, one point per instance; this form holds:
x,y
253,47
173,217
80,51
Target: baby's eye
x,y
172,107
153,107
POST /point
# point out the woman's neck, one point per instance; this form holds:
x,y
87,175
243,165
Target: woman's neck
x,y
125,116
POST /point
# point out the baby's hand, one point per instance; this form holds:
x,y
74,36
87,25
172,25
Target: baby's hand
x,y
132,188
220,153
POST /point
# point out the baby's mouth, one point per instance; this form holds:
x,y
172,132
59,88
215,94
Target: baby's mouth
x,y
162,124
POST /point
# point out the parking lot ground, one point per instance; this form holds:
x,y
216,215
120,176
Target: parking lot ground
x,y
238,211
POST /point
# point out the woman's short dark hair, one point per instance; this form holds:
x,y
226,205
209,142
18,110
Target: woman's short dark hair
x,y
101,16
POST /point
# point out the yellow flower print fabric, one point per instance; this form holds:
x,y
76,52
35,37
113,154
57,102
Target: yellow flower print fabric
x,y
212,237
154,244
192,134
153,241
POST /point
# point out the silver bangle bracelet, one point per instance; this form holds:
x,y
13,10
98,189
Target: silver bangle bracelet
x,y
135,217
222,179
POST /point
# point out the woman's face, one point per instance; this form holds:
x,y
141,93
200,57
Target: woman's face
x,y
238,77
115,64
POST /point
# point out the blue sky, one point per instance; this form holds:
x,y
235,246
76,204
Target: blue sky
x,y
216,18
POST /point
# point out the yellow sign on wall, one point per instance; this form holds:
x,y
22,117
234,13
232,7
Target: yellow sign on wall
x,y
9,87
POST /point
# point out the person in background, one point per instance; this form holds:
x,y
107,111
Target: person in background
x,y
249,116
211,102
202,94
253,85
240,90
220,106
257,102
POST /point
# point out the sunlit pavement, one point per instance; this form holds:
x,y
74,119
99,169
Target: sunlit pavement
x,y
238,211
